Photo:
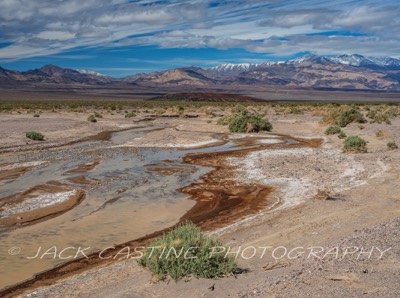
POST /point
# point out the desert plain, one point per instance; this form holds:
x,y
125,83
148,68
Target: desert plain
x,y
303,216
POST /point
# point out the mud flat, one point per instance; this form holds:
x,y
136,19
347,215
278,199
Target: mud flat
x,y
10,171
173,138
37,204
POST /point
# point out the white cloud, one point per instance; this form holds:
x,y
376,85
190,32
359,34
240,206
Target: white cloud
x,y
175,34
152,17
56,35
14,52
363,16
40,27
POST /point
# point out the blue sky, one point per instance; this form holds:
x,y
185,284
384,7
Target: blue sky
x,y
124,37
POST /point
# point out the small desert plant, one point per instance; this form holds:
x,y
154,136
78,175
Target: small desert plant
x,y
332,130
225,120
33,135
246,122
238,108
392,145
180,109
184,251
130,115
98,115
92,118
379,134
382,116
293,110
342,135
354,144
361,127
36,115
296,110
323,194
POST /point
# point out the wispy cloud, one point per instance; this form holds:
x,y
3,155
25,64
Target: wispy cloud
x,y
33,28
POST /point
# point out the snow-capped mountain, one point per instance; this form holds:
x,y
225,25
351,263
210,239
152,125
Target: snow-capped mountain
x,y
369,62
345,71
351,60
90,72
311,58
230,69
354,60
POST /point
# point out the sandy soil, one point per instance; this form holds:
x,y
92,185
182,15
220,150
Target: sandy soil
x,y
363,214
58,128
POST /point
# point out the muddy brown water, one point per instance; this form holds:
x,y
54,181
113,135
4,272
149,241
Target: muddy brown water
x,y
130,193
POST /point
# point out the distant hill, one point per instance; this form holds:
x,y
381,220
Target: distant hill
x,y
206,97
51,74
193,76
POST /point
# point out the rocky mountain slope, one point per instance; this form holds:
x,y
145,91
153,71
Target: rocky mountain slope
x,y
348,72
194,76
51,74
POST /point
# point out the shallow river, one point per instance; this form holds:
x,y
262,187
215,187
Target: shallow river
x,y
134,194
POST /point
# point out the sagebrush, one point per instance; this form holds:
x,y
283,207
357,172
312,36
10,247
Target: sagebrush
x,y
332,130
392,145
34,135
355,144
247,122
344,116
185,251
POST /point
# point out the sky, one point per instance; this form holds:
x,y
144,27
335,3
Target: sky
x,y
125,37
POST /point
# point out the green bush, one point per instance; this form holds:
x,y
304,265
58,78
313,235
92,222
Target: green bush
x,y
355,143
344,116
349,116
246,122
332,130
185,251
392,145
33,135
92,118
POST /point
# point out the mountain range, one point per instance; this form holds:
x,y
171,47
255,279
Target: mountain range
x,y
348,72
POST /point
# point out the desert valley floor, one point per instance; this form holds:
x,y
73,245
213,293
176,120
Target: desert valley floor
x,y
118,181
